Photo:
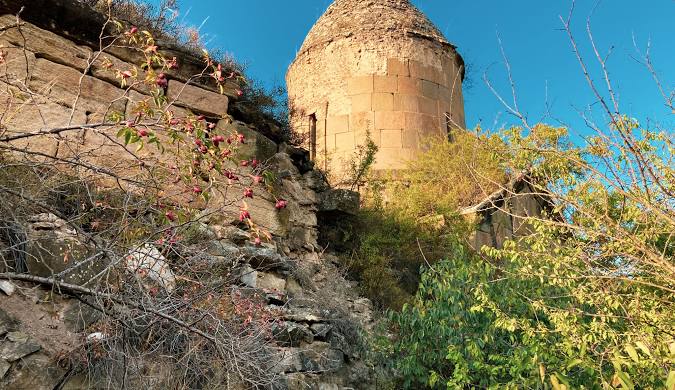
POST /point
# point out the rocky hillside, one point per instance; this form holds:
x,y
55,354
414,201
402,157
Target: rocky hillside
x,y
105,286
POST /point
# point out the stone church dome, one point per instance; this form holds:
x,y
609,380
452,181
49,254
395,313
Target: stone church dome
x,y
371,20
378,69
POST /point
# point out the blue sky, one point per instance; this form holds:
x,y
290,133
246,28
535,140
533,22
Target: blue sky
x,y
265,34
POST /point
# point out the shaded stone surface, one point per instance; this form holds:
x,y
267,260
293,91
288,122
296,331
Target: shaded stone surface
x,y
341,200
292,334
34,372
4,367
255,146
16,346
54,249
271,282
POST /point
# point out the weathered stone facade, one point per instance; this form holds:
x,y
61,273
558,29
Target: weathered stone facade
x,y
503,215
377,67
40,58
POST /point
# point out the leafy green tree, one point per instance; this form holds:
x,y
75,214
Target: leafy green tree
x,y
584,301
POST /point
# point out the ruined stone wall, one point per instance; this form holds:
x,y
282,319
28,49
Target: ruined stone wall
x,y
51,80
502,218
377,67
66,83
53,75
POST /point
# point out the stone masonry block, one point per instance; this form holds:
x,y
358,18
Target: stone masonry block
x,y
421,123
62,84
362,121
429,89
389,158
330,143
444,94
100,71
452,75
386,84
426,72
391,138
408,103
428,106
413,121
344,141
362,102
360,84
396,67
389,120
256,145
383,102
419,70
17,62
436,75
197,99
408,85
31,116
320,127
410,138
443,108
337,124
429,125
45,43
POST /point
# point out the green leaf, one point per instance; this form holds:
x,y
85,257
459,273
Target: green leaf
x,y
625,380
632,353
670,382
127,137
643,347
555,383
574,363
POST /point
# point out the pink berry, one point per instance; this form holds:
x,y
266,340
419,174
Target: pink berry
x,y
244,215
161,81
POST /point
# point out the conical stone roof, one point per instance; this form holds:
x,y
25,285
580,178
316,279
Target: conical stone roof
x,y
378,68
371,20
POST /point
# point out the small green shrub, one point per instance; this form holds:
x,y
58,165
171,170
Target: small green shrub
x,y
449,175
408,222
